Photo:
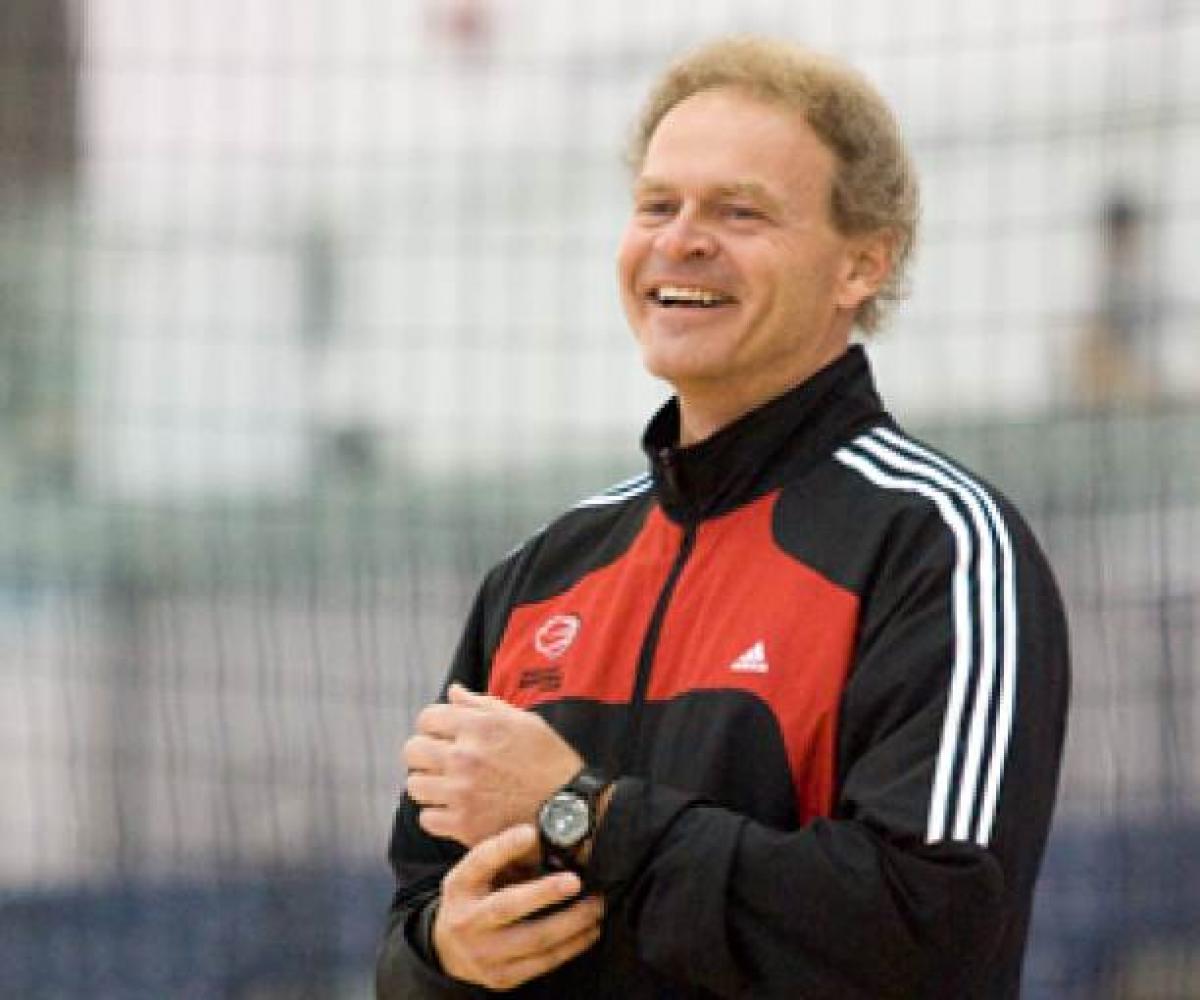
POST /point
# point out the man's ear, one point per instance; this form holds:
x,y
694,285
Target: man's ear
x,y
868,267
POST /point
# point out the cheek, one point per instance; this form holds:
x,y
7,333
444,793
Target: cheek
x,y
806,282
630,254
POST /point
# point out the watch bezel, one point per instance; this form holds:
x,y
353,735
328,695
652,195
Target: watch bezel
x,y
577,807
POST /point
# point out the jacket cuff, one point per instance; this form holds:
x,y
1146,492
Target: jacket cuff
x,y
637,817
405,972
419,931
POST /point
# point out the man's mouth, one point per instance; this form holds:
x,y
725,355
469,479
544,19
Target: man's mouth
x,y
688,297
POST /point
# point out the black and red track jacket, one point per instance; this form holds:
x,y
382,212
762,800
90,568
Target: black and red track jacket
x,y
830,668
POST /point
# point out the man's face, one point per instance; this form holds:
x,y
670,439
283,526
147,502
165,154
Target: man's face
x,y
732,275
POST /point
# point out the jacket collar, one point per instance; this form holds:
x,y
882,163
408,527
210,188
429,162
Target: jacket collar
x,y
755,453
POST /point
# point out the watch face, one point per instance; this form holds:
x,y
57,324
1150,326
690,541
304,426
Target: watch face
x,y
564,819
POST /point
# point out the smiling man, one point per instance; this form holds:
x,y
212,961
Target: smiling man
x,y
782,717
734,275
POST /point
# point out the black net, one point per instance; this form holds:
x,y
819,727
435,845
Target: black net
x,y
307,315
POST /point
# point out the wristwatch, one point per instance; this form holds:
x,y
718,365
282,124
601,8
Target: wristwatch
x,y
568,818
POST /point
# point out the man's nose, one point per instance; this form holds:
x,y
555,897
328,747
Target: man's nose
x,y
686,238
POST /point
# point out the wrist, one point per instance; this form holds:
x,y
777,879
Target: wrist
x,y
567,820
602,803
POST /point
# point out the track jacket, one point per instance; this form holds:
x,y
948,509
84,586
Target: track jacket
x,y
830,670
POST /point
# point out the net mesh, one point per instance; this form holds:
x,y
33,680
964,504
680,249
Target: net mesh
x,y
307,315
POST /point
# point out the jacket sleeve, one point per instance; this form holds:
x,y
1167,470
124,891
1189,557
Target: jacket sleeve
x,y
950,735
420,860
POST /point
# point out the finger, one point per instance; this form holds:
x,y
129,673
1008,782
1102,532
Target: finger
x,y
526,967
530,937
516,902
465,698
439,721
473,875
440,821
448,822
425,753
428,789
567,920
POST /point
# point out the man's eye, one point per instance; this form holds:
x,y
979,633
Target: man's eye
x,y
742,212
656,208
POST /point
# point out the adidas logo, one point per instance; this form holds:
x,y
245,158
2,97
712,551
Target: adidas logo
x,y
753,661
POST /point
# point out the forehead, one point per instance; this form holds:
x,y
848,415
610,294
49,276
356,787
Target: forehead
x,y
725,138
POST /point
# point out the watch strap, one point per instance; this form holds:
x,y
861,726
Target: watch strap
x,y
589,784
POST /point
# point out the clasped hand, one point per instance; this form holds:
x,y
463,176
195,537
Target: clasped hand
x,y
479,768
478,765
490,928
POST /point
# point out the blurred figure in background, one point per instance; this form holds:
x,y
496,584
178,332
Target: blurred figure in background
x,y
1120,360
39,161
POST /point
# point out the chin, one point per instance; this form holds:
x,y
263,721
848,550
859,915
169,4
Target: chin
x,y
671,367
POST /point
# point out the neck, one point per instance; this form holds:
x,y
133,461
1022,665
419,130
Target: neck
x,y
706,408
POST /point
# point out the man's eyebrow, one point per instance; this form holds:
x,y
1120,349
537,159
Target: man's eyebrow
x,y
753,190
748,189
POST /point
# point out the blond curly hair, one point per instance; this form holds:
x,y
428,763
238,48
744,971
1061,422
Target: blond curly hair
x,y
875,183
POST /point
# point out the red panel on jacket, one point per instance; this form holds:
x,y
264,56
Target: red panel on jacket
x,y
744,615
611,608
747,615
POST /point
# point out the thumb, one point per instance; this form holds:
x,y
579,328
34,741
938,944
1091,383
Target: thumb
x,y
459,695
479,868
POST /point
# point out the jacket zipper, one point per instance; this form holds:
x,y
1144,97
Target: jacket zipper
x,y
630,745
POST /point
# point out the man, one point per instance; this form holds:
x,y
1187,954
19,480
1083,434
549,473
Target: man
x,y
782,718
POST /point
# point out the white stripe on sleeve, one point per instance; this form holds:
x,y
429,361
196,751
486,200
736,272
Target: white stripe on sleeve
x,y
1008,666
892,462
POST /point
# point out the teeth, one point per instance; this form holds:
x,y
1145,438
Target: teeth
x,y
679,295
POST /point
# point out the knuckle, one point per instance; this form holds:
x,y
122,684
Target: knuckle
x,y
464,759
463,920
413,749
488,854
499,912
515,841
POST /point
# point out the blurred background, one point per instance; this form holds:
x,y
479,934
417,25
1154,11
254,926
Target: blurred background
x,y
308,315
